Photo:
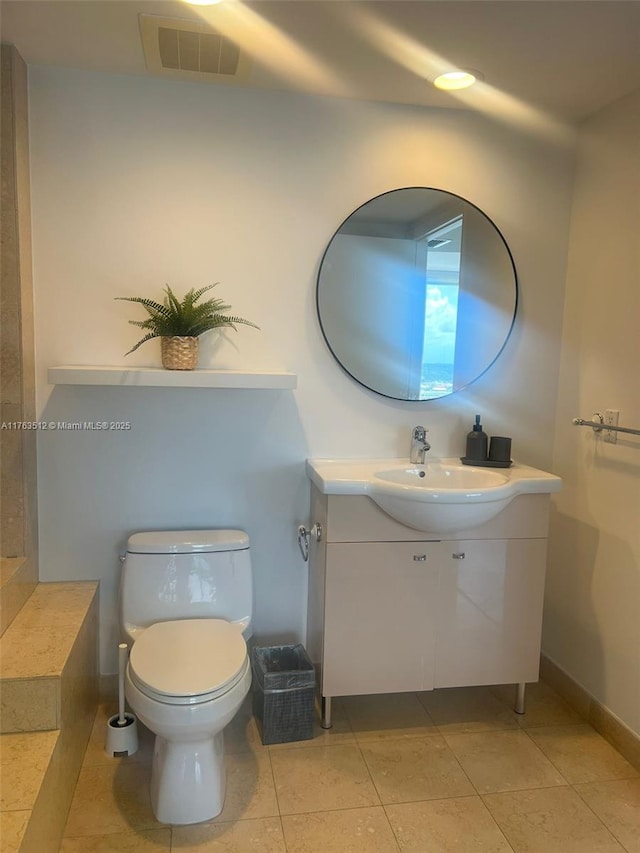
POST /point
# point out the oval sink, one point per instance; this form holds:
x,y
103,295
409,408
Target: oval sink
x,y
442,496
438,476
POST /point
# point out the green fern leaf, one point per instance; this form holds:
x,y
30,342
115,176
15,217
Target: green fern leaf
x,y
183,317
144,340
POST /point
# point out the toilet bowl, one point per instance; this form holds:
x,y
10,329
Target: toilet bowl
x,y
186,681
186,678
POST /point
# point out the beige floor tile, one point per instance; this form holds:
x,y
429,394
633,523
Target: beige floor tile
x,y
459,825
550,820
411,769
95,753
243,836
250,789
320,778
581,754
145,841
544,707
467,709
617,804
12,829
350,831
113,798
503,761
388,715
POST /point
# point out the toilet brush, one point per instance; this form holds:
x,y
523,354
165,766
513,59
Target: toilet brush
x,y
122,730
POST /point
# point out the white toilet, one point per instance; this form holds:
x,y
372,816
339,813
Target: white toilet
x,y
186,609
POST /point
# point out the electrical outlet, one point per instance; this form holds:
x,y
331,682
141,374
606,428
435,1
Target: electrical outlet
x,y
611,417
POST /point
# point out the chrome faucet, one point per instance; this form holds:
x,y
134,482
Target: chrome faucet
x,y
419,445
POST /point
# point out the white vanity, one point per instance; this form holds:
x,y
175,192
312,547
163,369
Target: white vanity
x,y
393,608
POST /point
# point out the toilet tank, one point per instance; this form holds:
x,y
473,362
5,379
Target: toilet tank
x,y
186,574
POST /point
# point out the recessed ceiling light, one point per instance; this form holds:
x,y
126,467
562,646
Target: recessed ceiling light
x,y
203,2
455,80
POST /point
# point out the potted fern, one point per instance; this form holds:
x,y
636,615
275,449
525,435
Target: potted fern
x,y
179,324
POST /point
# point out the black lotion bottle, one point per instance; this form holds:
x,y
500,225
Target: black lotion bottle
x,y
477,442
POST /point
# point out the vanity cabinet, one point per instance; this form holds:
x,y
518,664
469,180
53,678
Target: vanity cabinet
x,y
380,617
392,609
489,614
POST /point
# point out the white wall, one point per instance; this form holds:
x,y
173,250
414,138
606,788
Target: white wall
x,y
137,182
592,614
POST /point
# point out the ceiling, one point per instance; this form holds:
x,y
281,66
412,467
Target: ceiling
x,y
563,58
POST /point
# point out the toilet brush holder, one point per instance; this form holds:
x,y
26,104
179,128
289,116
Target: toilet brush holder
x,y
122,728
121,739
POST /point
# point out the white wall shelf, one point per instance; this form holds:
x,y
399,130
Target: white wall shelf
x,y
155,377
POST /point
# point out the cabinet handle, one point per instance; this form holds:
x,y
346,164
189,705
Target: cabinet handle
x,y
458,556
420,558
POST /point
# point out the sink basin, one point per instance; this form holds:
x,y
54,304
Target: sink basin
x,y
436,475
441,496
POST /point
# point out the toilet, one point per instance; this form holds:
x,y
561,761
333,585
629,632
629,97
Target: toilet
x,y
186,611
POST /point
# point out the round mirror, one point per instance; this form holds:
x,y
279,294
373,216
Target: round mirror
x,y
417,293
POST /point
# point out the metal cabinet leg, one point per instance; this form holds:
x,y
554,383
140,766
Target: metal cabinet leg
x,y
326,713
519,706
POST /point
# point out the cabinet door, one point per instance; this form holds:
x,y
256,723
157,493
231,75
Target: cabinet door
x,y
490,613
380,604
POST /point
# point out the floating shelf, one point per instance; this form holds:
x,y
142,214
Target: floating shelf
x,y
139,377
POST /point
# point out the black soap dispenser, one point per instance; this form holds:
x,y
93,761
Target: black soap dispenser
x,y
477,443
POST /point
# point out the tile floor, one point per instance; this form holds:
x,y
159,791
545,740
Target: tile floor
x,y
451,770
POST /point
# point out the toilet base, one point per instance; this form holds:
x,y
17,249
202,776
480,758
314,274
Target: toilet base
x,y
188,780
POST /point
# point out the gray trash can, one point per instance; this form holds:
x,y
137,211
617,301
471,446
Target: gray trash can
x,y
283,693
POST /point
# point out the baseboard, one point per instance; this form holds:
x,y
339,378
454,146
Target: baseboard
x,y
600,717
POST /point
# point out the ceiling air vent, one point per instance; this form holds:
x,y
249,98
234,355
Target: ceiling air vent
x,y
189,50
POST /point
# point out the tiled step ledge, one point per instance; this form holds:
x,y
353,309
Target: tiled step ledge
x,y
18,579
49,651
41,655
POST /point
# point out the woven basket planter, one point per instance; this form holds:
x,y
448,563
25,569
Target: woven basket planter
x,y
179,352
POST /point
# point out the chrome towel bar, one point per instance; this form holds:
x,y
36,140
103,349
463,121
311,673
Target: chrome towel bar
x,y
599,425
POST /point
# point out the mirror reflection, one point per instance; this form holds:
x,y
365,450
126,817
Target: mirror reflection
x,y
417,294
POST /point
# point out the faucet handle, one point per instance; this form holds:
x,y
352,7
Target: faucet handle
x,y
420,433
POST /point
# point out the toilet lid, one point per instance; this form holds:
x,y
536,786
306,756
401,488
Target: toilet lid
x,y
188,658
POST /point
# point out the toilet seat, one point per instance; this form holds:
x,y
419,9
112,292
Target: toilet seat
x,y
188,661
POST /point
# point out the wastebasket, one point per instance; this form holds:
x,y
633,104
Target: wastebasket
x,y
283,693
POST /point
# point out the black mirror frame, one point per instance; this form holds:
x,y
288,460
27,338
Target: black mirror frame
x,y
515,305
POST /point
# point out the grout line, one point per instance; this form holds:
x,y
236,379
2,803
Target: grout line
x,y
459,763
546,757
573,787
341,809
358,746
284,837
500,829
275,788
550,760
372,780
393,832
